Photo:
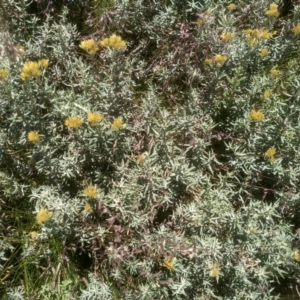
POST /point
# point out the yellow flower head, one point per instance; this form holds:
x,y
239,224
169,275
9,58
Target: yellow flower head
x,y
94,118
272,11
296,256
141,158
117,124
296,29
33,137
231,7
264,52
114,41
214,271
274,72
220,59
200,22
3,73
43,63
90,46
270,154
30,70
226,36
34,235
256,33
266,34
91,192
20,48
43,216
88,208
256,115
73,122
169,263
253,42
267,94
208,61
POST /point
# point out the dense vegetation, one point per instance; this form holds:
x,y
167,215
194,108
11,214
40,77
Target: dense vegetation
x,y
149,148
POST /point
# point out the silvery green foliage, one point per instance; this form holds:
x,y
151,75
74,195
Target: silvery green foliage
x,y
96,290
185,178
17,293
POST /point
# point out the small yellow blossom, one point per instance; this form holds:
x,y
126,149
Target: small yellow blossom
x,y
169,263
33,137
43,216
270,154
267,94
214,271
220,59
114,41
34,235
253,42
256,33
266,34
91,192
274,72
226,36
256,115
272,11
3,73
200,22
30,70
20,48
296,29
264,52
117,124
231,7
208,61
296,256
141,158
90,46
88,208
73,122
94,118
43,63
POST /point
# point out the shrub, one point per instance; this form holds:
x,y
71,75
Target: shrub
x,y
156,157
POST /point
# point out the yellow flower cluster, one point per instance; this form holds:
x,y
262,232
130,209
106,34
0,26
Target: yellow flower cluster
x,y
73,122
231,7
117,124
267,94
43,216
264,52
270,154
226,36
88,208
90,46
91,192
220,59
114,41
169,263
296,256
34,235
296,29
33,69
33,137
3,73
260,34
256,115
141,158
94,118
274,72
272,11
214,271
